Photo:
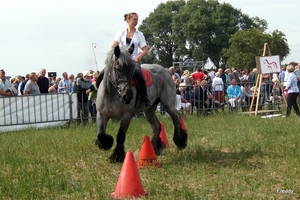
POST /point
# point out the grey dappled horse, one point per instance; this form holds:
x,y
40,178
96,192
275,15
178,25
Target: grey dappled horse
x,y
118,99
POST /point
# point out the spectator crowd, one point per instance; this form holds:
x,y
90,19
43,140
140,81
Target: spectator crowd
x,y
203,89
207,89
37,83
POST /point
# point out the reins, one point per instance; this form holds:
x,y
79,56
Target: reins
x,y
119,80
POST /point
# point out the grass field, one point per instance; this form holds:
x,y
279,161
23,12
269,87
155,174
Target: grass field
x,y
229,156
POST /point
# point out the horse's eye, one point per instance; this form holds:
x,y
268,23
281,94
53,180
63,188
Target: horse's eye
x,y
118,65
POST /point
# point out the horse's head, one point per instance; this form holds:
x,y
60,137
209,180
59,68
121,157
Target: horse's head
x,y
121,68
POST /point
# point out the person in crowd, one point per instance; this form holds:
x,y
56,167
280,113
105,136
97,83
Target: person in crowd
x,y
185,98
24,83
176,81
203,98
265,88
212,74
4,85
218,88
14,81
185,78
31,87
246,94
208,79
197,82
173,72
92,97
227,72
20,85
54,87
222,75
234,93
43,81
83,88
65,85
244,75
72,79
79,75
297,72
251,77
293,91
276,94
282,74
234,75
198,74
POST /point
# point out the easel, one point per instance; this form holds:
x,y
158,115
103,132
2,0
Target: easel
x,y
258,84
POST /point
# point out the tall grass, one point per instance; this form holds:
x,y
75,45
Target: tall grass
x,y
229,156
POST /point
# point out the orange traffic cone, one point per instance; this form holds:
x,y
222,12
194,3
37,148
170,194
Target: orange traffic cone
x,y
129,182
163,135
147,157
182,123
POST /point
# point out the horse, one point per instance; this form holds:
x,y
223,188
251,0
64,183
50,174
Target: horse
x,y
118,99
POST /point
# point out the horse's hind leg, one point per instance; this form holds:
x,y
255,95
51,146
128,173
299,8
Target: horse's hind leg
x,y
119,152
155,126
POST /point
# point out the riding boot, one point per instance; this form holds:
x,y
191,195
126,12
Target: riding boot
x,y
139,78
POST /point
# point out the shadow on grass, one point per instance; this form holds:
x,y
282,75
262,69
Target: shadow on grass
x,y
244,158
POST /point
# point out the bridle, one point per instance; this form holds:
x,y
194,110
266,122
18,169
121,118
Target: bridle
x,y
118,80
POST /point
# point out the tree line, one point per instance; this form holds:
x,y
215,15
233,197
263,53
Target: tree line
x,y
202,30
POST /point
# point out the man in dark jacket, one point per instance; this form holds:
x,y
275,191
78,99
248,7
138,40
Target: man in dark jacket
x,y
43,81
83,87
203,97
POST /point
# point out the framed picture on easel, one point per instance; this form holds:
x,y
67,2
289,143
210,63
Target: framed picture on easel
x,y
268,64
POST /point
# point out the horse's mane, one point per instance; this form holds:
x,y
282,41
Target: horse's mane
x,y
124,58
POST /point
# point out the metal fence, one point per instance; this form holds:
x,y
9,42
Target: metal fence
x,y
45,109
62,108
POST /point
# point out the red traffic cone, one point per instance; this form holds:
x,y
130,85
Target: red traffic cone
x,y
147,157
182,123
163,135
129,182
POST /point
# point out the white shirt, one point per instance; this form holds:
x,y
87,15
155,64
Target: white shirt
x,y
4,85
218,84
286,77
138,40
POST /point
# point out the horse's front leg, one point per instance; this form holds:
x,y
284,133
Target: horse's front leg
x,y
119,152
104,140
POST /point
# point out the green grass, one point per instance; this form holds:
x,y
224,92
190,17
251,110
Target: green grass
x,y
229,156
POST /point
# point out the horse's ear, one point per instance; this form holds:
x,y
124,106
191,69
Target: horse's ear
x,y
131,48
117,51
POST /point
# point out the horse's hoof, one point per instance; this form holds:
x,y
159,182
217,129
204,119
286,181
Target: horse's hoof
x,y
104,142
180,141
180,144
117,158
158,147
114,159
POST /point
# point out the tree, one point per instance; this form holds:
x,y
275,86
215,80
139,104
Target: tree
x,y
196,30
210,25
158,32
245,45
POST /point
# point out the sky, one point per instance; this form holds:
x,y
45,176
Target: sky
x,y
74,35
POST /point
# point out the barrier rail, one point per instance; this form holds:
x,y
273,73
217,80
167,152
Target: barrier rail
x,y
26,111
51,109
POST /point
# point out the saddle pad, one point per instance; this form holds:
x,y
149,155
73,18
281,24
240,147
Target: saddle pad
x,y
147,77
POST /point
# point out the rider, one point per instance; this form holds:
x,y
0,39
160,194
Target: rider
x,y
125,38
